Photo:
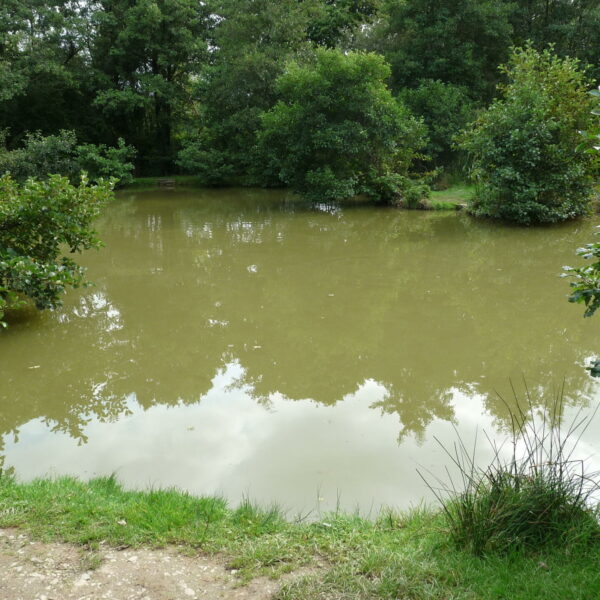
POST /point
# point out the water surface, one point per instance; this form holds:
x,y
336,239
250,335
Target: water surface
x,y
245,343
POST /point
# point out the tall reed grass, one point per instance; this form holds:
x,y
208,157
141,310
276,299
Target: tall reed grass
x,y
534,492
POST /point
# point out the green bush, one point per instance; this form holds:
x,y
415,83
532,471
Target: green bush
x,y
40,156
106,162
37,220
209,164
59,154
337,131
525,149
585,289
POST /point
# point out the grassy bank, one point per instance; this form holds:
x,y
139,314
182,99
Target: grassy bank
x,y
455,194
406,556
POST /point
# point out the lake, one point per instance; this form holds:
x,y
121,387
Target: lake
x,y
248,344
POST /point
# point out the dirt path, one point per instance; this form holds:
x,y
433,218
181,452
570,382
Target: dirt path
x,y
32,570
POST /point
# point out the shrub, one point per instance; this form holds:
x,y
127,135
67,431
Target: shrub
x,y
592,138
539,495
585,289
107,162
40,156
59,154
37,220
525,148
337,131
210,165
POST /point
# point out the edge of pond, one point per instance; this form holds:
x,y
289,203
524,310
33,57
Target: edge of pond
x,y
406,555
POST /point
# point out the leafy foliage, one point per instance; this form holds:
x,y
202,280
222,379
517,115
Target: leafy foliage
x,y
572,28
254,37
36,219
586,287
107,162
334,21
41,155
144,55
591,138
459,42
524,148
338,132
446,109
59,154
183,75
44,70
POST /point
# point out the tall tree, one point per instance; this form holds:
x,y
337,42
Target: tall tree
x,y
44,72
252,40
145,52
571,26
458,42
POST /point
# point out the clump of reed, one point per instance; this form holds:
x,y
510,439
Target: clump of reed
x,y
533,494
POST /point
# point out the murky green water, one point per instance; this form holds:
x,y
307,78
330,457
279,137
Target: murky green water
x,y
243,343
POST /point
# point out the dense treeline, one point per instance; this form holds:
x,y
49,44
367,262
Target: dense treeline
x,y
186,83
333,98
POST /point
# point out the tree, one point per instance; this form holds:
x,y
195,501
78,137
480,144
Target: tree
x,y
458,42
446,109
525,148
251,41
36,220
335,21
337,131
45,79
144,54
444,56
571,26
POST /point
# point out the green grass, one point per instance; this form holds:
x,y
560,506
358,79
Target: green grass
x,y
441,205
456,194
408,556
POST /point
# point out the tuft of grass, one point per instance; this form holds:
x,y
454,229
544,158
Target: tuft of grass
x,y
254,520
538,495
90,560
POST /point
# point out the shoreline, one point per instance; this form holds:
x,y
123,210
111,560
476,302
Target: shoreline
x,y
397,555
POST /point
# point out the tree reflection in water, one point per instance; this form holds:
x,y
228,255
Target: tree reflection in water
x,y
310,302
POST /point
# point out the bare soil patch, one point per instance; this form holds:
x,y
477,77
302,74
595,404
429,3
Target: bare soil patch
x,y
32,570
